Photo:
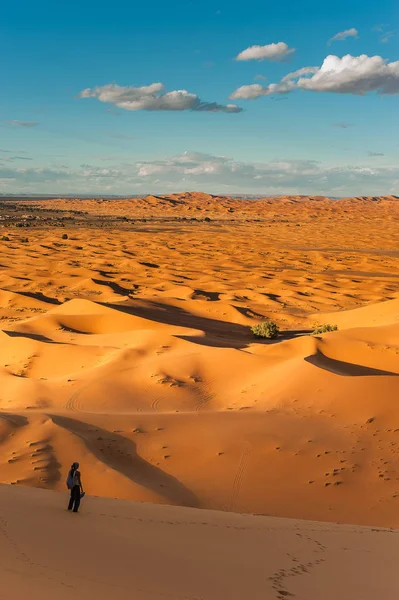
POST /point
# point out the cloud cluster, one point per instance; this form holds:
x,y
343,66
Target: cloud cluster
x,y
286,85
354,75
216,174
14,158
276,52
347,75
15,123
153,97
343,35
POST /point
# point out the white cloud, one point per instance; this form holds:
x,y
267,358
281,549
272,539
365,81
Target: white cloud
x,y
376,154
343,125
347,75
15,123
354,75
31,177
300,73
278,52
215,174
343,35
153,97
249,92
255,90
151,169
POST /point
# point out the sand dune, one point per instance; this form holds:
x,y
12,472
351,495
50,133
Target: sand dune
x,y
383,313
116,547
126,344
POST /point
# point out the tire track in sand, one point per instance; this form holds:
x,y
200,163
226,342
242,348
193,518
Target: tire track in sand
x,y
203,393
155,404
241,470
204,400
75,405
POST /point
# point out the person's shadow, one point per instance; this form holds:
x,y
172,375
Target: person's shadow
x,y
120,454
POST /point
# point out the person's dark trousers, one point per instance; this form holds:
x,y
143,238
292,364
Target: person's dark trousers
x,y
74,502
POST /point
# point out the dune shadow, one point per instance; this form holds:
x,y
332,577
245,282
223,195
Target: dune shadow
x,y
31,336
64,327
210,296
294,333
20,278
115,287
46,247
274,297
46,463
223,334
15,420
107,273
214,341
53,469
40,296
120,454
149,265
340,367
247,312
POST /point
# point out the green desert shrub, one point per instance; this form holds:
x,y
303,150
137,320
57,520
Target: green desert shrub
x,y
325,329
267,329
64,236
5,238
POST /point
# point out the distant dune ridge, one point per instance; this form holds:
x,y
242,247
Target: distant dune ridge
x,y
126,344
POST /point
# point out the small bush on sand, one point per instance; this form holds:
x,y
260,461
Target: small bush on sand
x,y
5,238
267,329
325,329
64,236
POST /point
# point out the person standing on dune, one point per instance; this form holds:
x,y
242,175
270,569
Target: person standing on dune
x,y
74,483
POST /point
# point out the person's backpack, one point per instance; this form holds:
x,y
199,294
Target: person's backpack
x,y
70,482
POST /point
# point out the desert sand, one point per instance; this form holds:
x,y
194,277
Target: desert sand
x,y
120,549
126,345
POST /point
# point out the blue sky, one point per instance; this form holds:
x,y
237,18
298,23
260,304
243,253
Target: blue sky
x,y
333,130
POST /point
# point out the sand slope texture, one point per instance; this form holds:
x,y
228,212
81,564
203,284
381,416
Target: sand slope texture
x,y
118,549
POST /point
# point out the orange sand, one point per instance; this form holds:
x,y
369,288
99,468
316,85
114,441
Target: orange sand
x,y
117,549
127,347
